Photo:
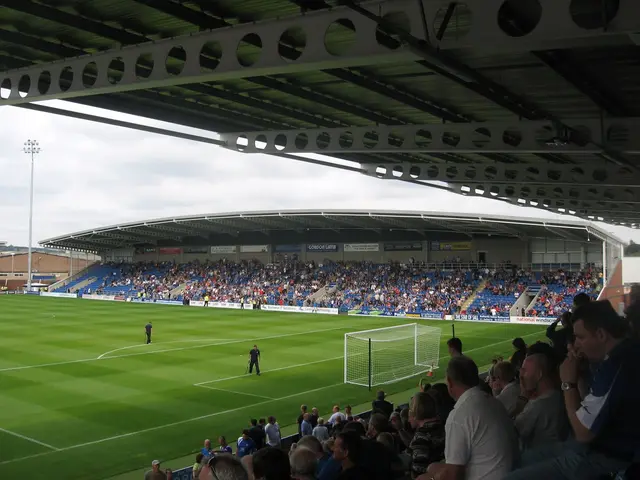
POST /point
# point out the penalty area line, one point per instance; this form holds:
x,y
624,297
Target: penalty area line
x,y
234,391
230,342
29,439
142,345
94,359
199,384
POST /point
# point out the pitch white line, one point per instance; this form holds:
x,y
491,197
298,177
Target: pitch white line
x,y
234,391
342,356
66,362
252,339
161,343
200,384
215,414
173,424
266,371
29,439
231,342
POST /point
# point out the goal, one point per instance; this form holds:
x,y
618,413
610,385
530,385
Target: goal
x,y
387,355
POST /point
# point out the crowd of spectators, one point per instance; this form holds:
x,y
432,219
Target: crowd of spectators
x,y
390,288
401,288
502,289
288,283
560,287
560,410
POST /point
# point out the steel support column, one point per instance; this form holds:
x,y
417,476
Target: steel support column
x,y
620,134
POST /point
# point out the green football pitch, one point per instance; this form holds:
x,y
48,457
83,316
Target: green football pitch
x,y
82,396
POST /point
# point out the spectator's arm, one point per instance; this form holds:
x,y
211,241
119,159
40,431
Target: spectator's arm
x,y
444,471
551,329
587,417
406,437
585,421
520,404
457,454
524,425
583,387
421,458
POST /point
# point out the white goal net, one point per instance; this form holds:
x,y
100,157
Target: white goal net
x,y
387,355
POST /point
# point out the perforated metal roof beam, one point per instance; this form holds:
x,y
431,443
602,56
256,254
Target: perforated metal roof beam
x,y
605,179
555,25
73,20
449,67
27,85
543,136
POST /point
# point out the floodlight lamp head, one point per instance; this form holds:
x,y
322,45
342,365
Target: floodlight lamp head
x,y
31,147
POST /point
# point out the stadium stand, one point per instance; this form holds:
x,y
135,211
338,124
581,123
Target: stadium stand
x,y
500,292
559,288
390,288
395,288
553,291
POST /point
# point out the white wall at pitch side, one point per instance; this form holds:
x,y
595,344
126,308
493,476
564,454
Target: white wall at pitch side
x,y
630,270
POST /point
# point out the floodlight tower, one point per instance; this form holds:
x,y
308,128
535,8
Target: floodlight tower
x,y
31,148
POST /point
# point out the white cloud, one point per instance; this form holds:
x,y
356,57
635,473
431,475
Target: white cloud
x,y
89,175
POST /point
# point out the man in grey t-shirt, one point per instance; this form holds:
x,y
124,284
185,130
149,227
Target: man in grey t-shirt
x,y
543,420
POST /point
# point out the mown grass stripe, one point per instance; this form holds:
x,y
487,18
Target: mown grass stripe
x,y
81,403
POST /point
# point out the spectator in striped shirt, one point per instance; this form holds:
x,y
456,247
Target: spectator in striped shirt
x,y
427,445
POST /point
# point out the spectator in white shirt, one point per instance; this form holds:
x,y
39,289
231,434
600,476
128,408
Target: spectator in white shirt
x,y
480,441
337,413
272,431
505,386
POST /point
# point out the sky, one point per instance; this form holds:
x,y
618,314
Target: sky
x,y
89,175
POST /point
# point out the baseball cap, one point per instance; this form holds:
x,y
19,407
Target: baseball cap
x,y
155,462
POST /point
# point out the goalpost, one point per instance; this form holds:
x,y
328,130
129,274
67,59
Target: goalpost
x,y
386,355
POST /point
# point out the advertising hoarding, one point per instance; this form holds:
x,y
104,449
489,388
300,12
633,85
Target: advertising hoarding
x,y
223,249
403,247
322,247
254,248
361,247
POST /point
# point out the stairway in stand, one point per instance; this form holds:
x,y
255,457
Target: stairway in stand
x,y
467,303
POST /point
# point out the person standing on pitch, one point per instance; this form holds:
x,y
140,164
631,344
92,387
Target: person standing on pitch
x,y
254,359
147,331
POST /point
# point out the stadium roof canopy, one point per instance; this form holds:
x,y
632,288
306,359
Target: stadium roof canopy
x,y
533,102
309,226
